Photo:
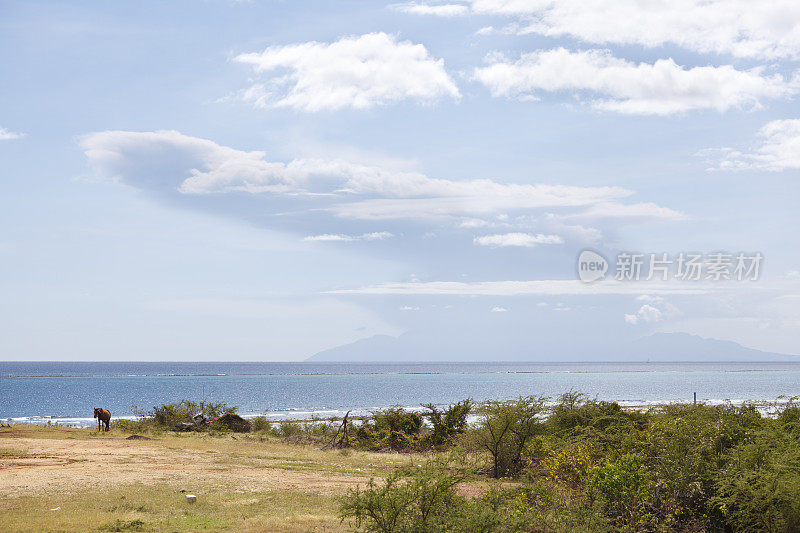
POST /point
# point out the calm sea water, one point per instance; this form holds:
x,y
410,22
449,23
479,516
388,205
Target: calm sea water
x,y
67,392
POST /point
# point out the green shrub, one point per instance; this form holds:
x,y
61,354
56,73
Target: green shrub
x,y
170,414
505,429
623,486
448,423
601,423
421,500
685,446
426,500
759,487
261,424
287,429
392,428
142,425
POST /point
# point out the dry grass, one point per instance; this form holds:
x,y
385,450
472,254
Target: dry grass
x,y
107,483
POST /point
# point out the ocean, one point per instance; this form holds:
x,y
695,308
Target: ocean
x,y
66,393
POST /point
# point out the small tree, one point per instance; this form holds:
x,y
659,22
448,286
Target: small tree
x,y
448,423
505,428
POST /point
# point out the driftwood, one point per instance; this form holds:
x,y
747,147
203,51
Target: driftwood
x,y
198,422
341,434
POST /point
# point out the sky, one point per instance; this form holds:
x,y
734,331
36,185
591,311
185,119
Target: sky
x,y
262,180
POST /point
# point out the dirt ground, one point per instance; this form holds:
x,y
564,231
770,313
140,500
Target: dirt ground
x,y
66,464
59,479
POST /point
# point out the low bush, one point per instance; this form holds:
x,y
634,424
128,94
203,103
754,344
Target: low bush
x,y
447,424
393,428
419,500
758,489
602,424
427,499
261,424
170,414
623,486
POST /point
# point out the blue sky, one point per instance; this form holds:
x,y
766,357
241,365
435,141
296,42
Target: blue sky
x,y
220,180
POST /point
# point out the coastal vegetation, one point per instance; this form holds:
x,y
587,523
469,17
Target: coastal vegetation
x,y
526,464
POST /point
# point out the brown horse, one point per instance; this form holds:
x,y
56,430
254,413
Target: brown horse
x,y
103,416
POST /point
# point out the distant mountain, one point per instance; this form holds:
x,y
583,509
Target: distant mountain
x,y
411,347
686,347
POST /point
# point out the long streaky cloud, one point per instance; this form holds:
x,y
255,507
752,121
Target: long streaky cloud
x,y
619,85
517,288
742,28
175,163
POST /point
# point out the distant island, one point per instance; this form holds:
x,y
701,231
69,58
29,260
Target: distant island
x,y
678,347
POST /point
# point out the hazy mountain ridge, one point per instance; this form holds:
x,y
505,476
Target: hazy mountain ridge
x,y
656,347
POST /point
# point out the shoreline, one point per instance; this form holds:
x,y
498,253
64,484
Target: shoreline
x,y
334,415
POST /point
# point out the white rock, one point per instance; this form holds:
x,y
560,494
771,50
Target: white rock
x,y
191,498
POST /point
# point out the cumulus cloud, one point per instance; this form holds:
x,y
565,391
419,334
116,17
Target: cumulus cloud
x,y
654,309
338,237
619,85
526,240
777,149
742,28
646,313
354,72
8,135
169,160
441,10
499,310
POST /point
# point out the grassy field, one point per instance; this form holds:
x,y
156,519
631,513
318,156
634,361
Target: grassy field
x,y
108,483
522,465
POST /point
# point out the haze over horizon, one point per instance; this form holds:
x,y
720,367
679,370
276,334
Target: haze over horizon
x,y
265,181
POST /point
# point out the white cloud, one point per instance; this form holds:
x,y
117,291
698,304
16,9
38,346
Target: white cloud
x,y
441,10
194,166
655,309
583,234
473,223
8,135
330,237
742,28
649,299
660,88
646,313
354,72
540,287
499,310
409,308
517,239
778,149
616,210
